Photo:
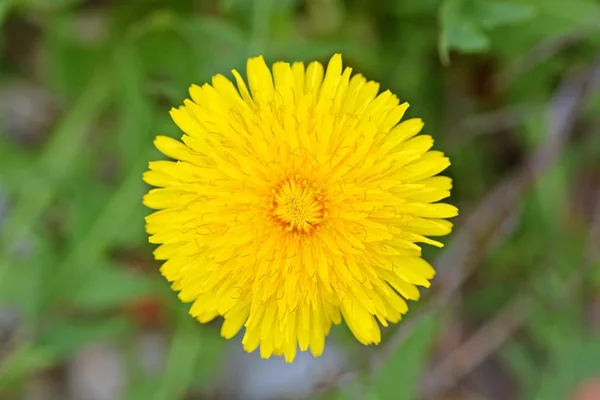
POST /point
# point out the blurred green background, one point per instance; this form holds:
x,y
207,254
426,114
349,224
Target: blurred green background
x,y
510,90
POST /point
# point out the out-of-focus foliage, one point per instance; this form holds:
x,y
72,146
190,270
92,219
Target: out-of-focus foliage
x,y
75,264
464,23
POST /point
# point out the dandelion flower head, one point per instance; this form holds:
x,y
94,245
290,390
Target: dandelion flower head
x,y
294,203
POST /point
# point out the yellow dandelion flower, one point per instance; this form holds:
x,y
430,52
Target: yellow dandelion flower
x,y
295,203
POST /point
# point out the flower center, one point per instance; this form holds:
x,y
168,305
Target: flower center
x,y
297,206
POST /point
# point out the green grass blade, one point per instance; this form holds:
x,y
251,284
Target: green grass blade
x,y
76,266
184,353
59,157
399,377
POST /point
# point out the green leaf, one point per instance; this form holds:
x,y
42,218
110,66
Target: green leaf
x,y
26,279
321,49
578,12
48,5
184,353
5,7
109,286
20,363
223,46
404,366
57,343
492,14
520,360
142,389
137,119
415,8
138,122
37,192
458,31
464,22
81,260
66,336
467,37
69,62
574,361
84,198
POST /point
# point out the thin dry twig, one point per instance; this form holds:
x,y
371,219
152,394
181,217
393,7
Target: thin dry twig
x,y
483,226
478,347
